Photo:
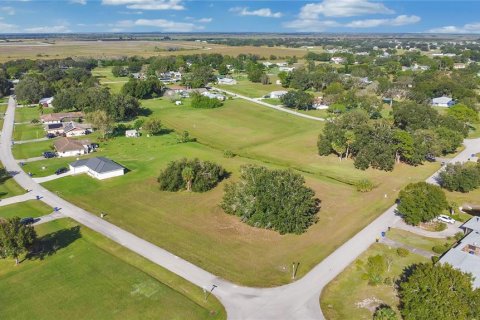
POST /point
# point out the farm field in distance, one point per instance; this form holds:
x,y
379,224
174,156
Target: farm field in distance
x,y
199,230
87,276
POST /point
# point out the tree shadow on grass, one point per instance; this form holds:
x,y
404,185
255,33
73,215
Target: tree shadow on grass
x,y
49,244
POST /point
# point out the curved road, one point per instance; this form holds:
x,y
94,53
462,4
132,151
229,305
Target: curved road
x,y
298,300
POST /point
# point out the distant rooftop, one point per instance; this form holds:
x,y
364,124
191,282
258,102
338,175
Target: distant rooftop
x,y
98,164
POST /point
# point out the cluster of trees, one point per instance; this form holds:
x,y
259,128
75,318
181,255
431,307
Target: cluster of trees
x,y
143,89
421,202
16,238
202,102
199,76
439,292
462,177
5,84
118,106
297,99
272,199
191,175
418,132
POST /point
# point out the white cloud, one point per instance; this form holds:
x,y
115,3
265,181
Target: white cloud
x,y
48,29
162,24
205,20
147,4
342,8
467,28
311,25
82,2
7,28
7,10
264,12
401,20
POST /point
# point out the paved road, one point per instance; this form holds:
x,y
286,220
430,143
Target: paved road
x,y
52,177
254,100
298,300
49,217
21,198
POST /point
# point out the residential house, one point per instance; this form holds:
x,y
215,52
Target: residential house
x,y
132,133
286,69
442,102
69,129
99,168
278,94
465,255
60,117
458,66
183,91
337,60
46,102
213,95
67,147
170,77
226,81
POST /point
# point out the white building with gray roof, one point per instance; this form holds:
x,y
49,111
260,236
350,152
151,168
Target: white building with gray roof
x,y
99,168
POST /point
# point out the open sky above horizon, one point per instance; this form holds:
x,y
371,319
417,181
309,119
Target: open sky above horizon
x,y
64,16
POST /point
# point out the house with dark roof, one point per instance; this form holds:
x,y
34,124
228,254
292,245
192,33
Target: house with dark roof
x,y
66,147
99,168
60,117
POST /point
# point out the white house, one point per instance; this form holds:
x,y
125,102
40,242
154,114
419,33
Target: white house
x,y
46,102
278,94
73,129
337,60
132,134
286,69
66,147
458,66
213,95
227,81
443,102
99,168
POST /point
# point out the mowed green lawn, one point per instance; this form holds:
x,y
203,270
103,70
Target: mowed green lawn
x,y
9,188
31,149
250,89
90,277
31,208
27,114
340,298
28,132
105,76
194,226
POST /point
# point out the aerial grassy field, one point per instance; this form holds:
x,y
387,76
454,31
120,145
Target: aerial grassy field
x,y
9,188
194,227
251,89
105,76
31,208
56,49
87,276
349,297
417,241
28,132
32,149
27,114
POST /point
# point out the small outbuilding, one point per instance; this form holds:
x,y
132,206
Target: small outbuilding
x,y
443,102
99,168
278,94
132,133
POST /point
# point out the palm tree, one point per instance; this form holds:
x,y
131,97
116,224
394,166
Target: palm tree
x,y
187,175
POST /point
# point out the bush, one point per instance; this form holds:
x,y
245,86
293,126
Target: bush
x,y
439,249
384,312
459,236
364,185
185,137
35,121
435,259
272,199
228,154
194,174
440,226
202,102
402,252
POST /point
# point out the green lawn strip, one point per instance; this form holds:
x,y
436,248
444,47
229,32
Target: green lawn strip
x,y
416,241
275,102
32,149
90,277
30,208
28,132
251,89
340,297
10,188
27,114
104,74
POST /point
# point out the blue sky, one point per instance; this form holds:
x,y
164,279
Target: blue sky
x,y
239,16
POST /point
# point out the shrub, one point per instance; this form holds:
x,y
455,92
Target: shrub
x,y
185,137
201,177
228,154
459,236
35,121
402,252
273,199
364,185
439,249
202,102
435,259
440,226
384,312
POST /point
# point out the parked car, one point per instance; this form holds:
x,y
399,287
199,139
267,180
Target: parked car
x,y
28,220
61,171
445,218
94,145
50,136
49,154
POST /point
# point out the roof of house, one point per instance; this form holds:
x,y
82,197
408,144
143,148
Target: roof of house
x,y
98,164
67,144
53,126
473,224
466,256
60,116
70,126
46,100
133,131
442,100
